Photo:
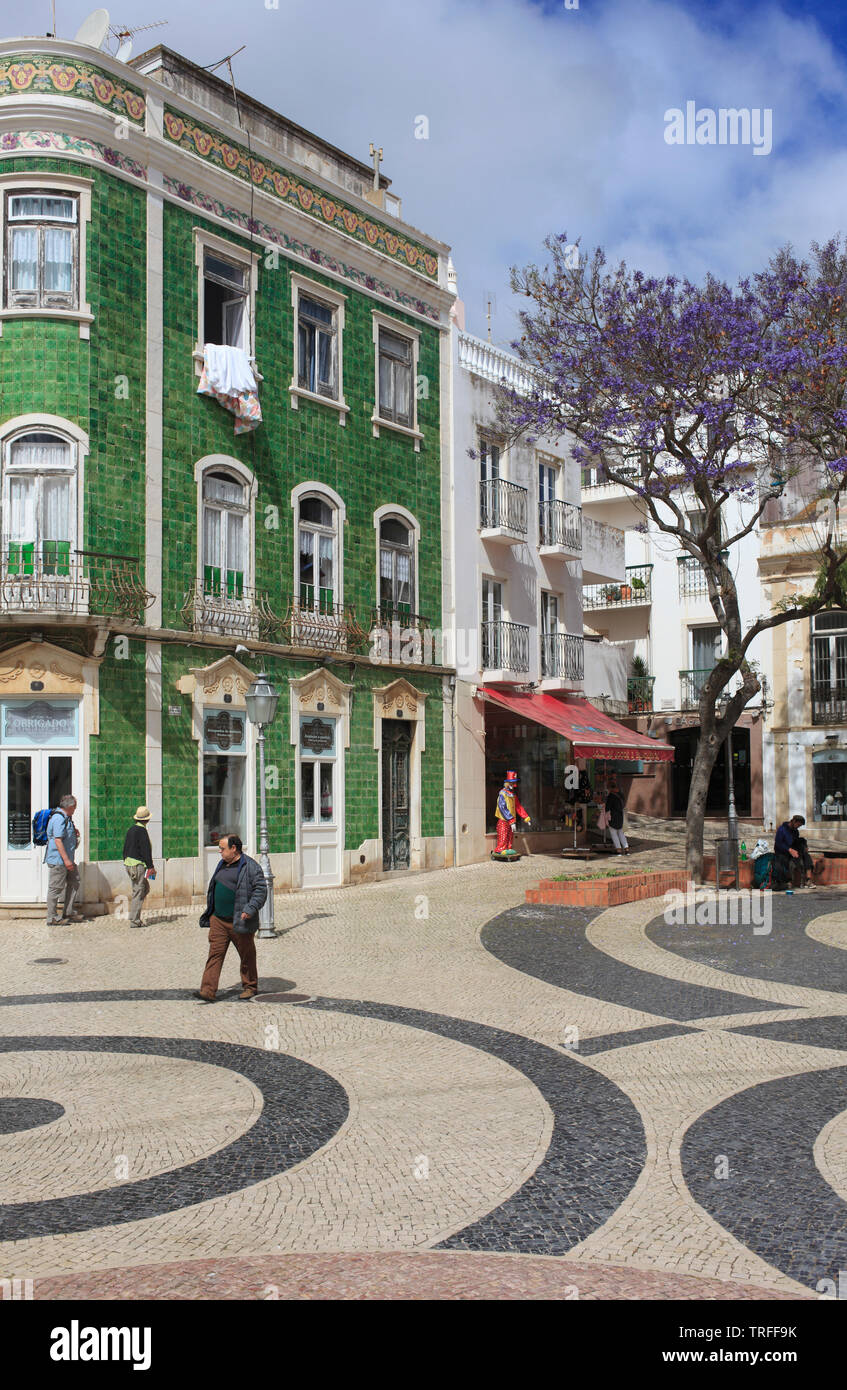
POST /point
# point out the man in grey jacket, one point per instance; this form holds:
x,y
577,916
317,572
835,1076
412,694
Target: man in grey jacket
x,y
237,889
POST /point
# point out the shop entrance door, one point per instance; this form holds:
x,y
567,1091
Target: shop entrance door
x,y
32,780
321,802
396,759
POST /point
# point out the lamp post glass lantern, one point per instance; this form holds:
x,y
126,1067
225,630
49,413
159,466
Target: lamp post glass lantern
x,y
261,701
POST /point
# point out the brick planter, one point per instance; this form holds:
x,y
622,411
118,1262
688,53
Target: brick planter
x,y
745,873
608,892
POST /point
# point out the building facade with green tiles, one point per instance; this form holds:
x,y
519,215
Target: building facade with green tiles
x,y
221,418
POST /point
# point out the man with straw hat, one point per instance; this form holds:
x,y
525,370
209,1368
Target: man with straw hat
x,y
138,858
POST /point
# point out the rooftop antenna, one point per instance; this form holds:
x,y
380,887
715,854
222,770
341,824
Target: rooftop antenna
x,y
93,30
492,303
124,34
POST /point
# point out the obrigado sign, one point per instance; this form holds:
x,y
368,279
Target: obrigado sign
x,y
40,720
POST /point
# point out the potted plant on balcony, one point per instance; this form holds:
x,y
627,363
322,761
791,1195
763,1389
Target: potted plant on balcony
x,y
637,688
638,586
626,591
612,594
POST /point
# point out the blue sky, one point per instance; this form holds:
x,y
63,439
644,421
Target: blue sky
x,y
546,119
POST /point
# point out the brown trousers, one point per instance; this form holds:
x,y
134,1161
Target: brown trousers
x,y
220,935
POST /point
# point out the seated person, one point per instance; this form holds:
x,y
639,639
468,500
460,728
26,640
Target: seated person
x,y
791,852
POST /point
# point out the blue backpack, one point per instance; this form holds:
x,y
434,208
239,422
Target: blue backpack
x,y
40,822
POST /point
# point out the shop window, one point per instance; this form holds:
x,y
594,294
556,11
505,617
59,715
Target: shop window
x,y
42,250
830,785
224,775
39,506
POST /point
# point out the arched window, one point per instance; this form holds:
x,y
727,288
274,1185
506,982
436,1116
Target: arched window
x,y
226,533
317,556
396,566
39,504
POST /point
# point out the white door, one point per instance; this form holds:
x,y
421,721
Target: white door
x,y
320,802
31,780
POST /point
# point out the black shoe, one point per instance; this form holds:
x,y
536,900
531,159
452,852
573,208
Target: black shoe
x,y
204,998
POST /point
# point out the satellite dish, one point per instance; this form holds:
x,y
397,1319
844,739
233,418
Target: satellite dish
x,y
93,30
125,50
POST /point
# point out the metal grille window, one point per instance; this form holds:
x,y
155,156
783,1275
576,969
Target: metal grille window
x,y
317,366
42,251
829,668
395,378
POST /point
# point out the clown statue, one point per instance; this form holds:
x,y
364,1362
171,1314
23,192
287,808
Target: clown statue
x,y
508,808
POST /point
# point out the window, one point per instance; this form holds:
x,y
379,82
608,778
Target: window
x,y
224,775
316,559
492,631
42,250
225,535
489,461
705,647
396,567
549,634
395,378
829,668
225,301
39,506
318,330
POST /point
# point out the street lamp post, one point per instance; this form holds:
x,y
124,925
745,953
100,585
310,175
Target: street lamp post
x,y
261,701
731,816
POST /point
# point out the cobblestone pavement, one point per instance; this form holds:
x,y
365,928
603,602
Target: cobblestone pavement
x,y
473,1098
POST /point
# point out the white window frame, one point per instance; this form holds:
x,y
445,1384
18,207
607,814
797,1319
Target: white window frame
x,y
57,185
336,301
213,463
332,499
386,513
77,439
401,330
228,250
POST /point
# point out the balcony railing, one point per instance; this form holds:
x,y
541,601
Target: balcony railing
x,y
692,576
637,588
562,655
484,359
690,687
398,634
639,694
502,505
598,477
559,523
230,610
829,703
53,578
322,626
505,647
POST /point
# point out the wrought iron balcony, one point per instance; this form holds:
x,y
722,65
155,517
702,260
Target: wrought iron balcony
x,y
598,477
53,578
502,506
692,576
226,607
559,523
636,589
562,655
398,634
639,694
690,685
505,647
829,703
321,625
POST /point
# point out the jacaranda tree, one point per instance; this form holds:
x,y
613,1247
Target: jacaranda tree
x,y
690,397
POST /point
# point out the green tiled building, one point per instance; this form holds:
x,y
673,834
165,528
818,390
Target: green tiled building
x,y
221,356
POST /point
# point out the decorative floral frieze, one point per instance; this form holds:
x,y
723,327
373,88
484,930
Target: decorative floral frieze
x,y
57,142
321,259
37,72
237,160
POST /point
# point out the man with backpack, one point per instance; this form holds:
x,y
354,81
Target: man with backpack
x,y
63,879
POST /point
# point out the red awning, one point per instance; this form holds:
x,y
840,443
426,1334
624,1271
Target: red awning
x,y
592,733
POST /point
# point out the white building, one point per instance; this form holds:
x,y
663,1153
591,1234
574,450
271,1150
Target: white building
x,y
517,551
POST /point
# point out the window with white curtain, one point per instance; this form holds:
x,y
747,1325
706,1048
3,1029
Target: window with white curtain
x,y
225,535
42,251
395,378
317,347
316,558
39,505
396,567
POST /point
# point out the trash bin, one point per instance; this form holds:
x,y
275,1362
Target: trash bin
x,y
726,861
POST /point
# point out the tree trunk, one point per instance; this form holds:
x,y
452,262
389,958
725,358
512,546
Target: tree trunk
x,y
708,748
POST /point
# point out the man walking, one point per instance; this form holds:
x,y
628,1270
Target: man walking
x,y
237,889
138,861
59,855
614,810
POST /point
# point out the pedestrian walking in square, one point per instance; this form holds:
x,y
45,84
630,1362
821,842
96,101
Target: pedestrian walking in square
x,y
237,889
614,809
59,855
138,861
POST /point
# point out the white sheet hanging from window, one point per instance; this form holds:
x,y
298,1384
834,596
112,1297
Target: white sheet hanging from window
x,y
228,377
